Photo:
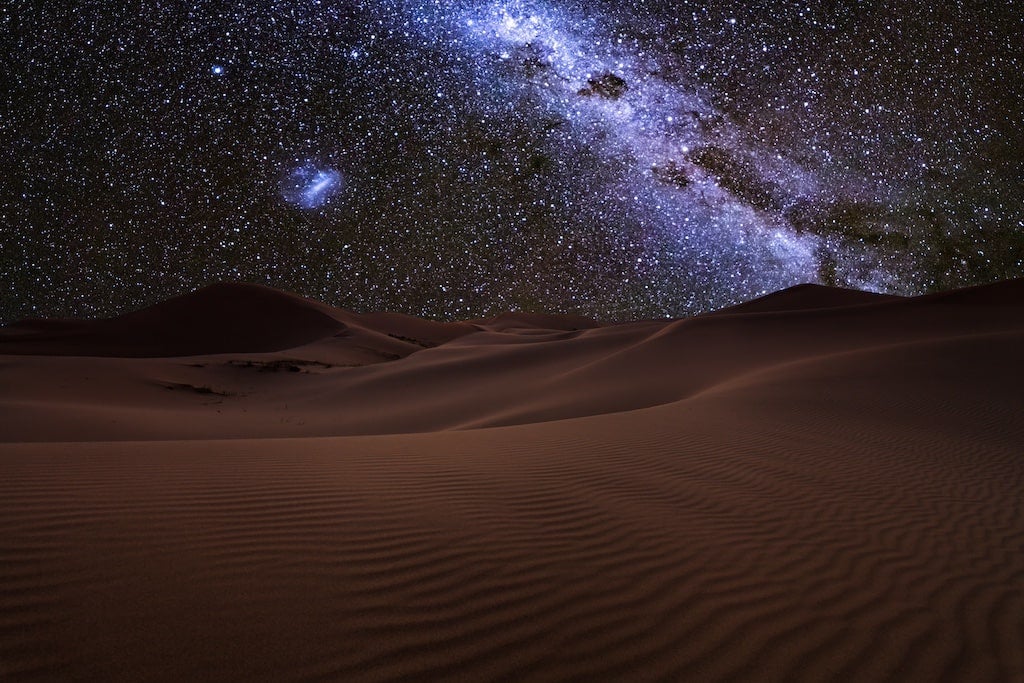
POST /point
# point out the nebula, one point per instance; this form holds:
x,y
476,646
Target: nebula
x,y
311,187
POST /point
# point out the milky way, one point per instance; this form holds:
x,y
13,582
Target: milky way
x,y
616,159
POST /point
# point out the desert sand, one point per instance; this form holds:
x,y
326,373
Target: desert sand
x,y
242,484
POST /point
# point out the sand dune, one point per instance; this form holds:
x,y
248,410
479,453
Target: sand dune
x,y
818,485
807,297
379,374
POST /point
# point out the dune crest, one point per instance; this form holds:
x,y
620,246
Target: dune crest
x,y
808,297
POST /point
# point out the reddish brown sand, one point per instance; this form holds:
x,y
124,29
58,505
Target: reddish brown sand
x,y
241,484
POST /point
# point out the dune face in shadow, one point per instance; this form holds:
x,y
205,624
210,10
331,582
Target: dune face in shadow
x,y
217,319
241,484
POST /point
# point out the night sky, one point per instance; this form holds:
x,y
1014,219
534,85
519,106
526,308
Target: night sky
x,y
621,159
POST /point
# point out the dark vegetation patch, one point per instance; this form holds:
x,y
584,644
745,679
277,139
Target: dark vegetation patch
x,y
283,365
411,340
196,388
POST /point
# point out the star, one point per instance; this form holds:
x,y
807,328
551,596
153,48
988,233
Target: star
x,y
619,159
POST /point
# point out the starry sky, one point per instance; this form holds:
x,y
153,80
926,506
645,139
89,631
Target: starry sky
x,y
620,159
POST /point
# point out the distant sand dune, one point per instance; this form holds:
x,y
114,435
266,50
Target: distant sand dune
x,y
797,491
381,373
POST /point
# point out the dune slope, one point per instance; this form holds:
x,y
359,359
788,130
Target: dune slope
x,y
376,374
828,491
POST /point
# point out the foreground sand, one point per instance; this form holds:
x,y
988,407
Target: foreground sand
x,y
818,486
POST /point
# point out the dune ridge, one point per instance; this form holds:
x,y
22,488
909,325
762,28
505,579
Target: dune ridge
x,y
384,373
816,488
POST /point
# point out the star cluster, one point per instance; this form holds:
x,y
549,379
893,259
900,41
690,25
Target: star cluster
x,y
618,159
